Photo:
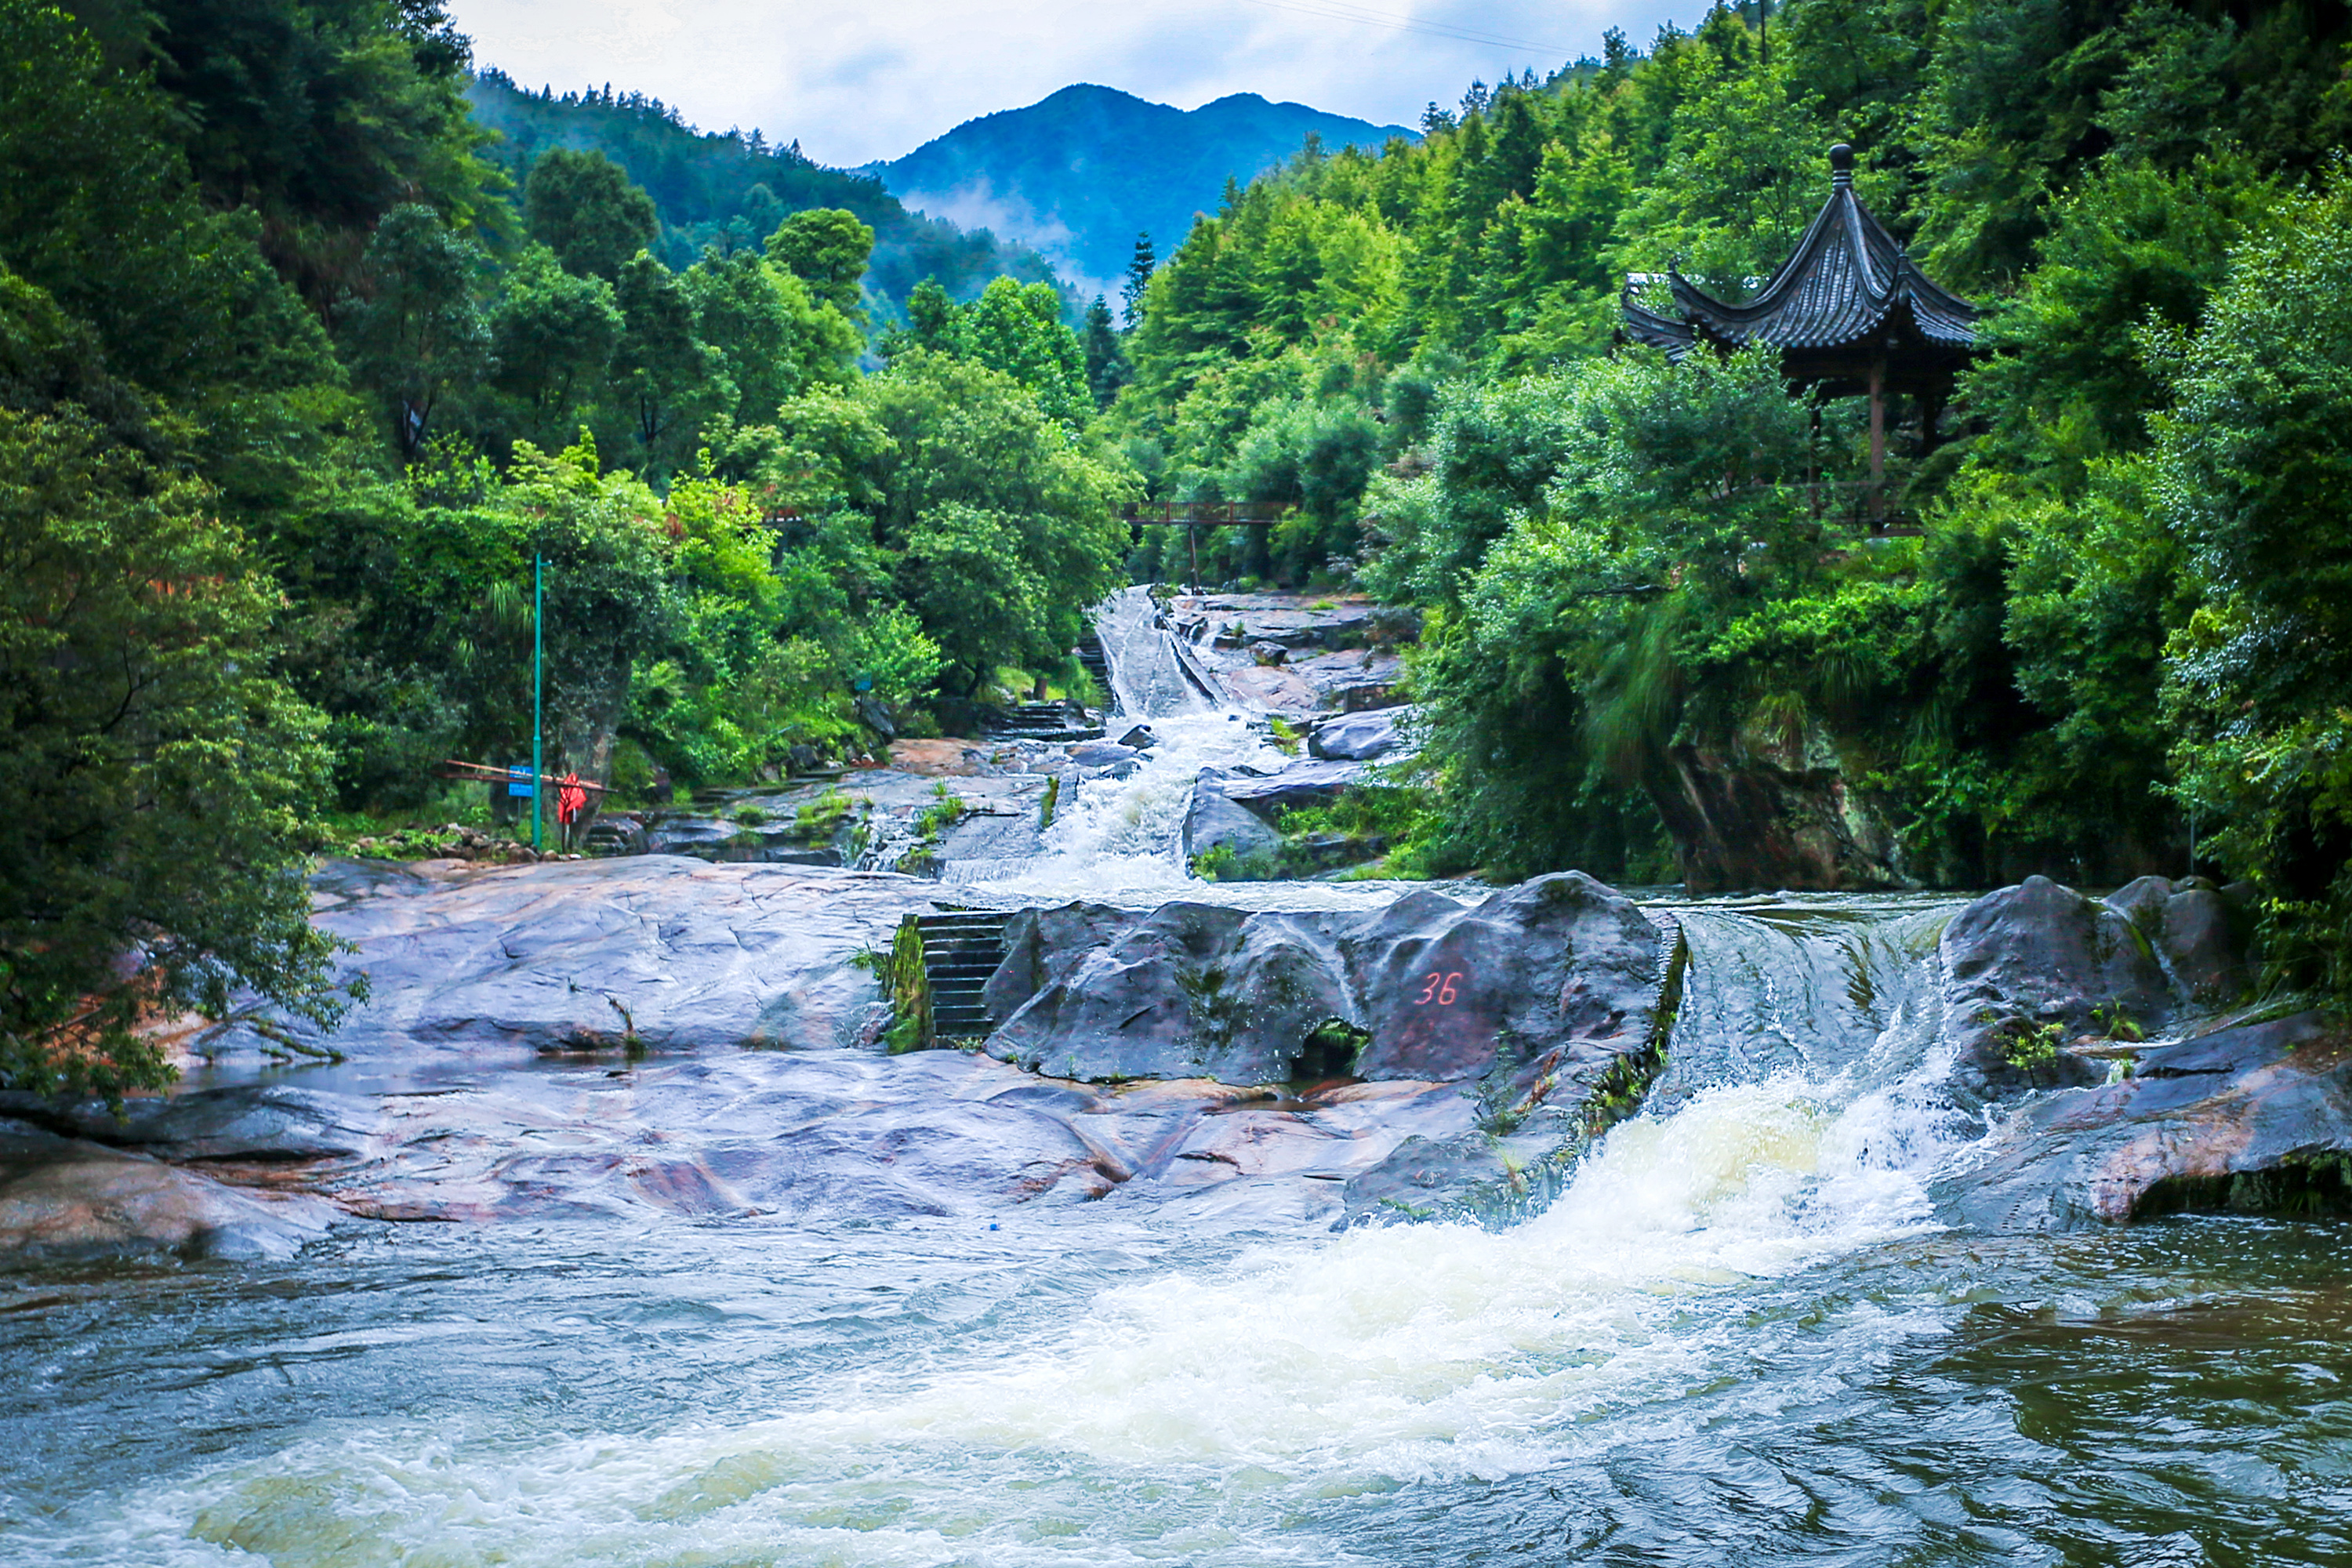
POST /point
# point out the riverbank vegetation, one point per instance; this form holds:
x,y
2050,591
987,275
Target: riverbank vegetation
x,y
304,368
312,344
2106,639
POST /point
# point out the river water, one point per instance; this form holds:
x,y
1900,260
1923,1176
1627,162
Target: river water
x,y
1742,1336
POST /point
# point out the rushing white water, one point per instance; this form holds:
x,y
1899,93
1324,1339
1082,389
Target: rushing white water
x,y
1148,675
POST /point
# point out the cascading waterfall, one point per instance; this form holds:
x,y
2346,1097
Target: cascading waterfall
x,y
1148,673
1121,839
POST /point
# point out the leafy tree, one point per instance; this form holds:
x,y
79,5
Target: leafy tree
x,y
420,331
97,211
582,207
1019,330
995,526
552,337
664,376
318,116
158,772
1642,507
2254,474
828,249
771,340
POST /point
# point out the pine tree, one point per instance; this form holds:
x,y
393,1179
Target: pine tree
x,y
1107,366
1139,268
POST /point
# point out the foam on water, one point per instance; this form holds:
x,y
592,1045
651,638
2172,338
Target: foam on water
x,y
1177,1415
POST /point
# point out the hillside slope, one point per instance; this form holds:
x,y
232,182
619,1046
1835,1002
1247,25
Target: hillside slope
x,y
1078,173
732,189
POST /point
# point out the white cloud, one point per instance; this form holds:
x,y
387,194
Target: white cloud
x,y
861,83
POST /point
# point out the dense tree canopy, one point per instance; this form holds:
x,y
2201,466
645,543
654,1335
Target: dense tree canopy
x,y
2080,665
582,207
295,393
302,369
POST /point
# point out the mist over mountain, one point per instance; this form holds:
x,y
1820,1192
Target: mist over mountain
x,y
1075,175
730,189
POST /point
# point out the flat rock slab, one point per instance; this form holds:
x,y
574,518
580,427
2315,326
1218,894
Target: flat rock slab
x,y
66,1198
652,952
2253,1118
1300,783
841,1135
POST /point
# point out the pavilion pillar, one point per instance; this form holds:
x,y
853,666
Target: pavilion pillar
x,y
1878,438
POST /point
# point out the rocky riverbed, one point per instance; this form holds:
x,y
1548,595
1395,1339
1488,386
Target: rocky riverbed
x,y
660,1036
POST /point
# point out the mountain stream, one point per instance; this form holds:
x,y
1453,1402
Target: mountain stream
x,y
1742,1335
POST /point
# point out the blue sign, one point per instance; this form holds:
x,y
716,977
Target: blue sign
x,y
519,783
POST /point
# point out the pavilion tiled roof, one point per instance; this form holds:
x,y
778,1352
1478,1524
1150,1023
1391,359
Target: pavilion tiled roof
x,y
1847,281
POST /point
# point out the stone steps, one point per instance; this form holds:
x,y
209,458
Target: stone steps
x,y
1097,663
960,951
1040,721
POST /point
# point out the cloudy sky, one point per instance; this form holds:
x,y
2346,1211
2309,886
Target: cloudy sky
x,y
874,78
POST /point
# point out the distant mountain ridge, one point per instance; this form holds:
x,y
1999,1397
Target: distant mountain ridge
x,y
1077,175
731,190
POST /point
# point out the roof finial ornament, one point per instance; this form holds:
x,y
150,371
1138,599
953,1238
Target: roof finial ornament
x,y
1841,167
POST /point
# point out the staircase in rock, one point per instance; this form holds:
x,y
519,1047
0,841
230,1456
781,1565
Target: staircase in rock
x,y
1096,664
960,953
1041,721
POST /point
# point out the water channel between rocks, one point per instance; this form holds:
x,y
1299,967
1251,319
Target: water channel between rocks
x,y
1741,1335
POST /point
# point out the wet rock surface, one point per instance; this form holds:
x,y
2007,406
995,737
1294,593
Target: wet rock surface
x,y
69,1198
1534,994
1772,808
1297,654
654,953
1362,737
1300,783
743,1135
1214,821
2032,965
491,1078
2254,1118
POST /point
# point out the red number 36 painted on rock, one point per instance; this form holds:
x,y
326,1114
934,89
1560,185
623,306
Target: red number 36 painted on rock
x,y
1439,990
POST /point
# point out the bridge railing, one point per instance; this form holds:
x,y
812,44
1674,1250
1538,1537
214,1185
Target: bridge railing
x,y
1202,513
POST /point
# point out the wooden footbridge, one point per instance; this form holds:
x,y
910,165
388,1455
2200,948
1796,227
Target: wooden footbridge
x,y
1195,515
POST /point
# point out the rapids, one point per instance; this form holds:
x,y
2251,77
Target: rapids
x,y
1742,1335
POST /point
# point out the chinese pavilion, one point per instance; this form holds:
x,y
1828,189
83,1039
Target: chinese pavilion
x,y
1850,311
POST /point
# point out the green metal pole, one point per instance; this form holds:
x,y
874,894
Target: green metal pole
x,y
538,656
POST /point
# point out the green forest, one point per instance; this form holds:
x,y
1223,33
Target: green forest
x,y
313,342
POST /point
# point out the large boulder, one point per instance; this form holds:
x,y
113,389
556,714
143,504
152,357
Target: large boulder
x,y
1042,946
1361,737
2191,928
2030,967
1553,980
2256,1117
1192,990
1212,821
1549,988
